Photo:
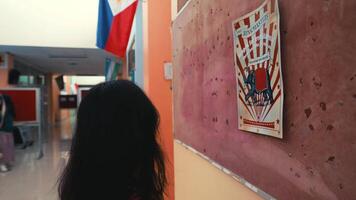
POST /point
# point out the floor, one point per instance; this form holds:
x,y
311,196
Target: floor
x,y
33,179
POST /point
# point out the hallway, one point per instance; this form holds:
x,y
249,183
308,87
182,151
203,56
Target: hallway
x,y
256,99
32,179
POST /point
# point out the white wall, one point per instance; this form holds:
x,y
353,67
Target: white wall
x,y
87,80
174,4
54,23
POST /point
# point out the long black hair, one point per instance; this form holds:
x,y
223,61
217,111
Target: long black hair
x,y
114,152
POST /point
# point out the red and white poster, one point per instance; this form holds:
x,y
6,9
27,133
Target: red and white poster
x,y
259,71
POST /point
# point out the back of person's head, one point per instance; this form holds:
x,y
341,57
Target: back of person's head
x,y
114,153
14,76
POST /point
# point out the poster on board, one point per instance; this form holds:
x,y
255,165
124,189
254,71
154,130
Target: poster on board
x,y
259,70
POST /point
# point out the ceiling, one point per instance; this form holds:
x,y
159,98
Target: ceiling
x,y
67,61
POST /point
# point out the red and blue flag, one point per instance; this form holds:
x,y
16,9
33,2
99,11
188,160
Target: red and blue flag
x,y
114,25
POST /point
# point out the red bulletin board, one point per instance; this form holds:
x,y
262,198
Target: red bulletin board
x,y
316,157
26,103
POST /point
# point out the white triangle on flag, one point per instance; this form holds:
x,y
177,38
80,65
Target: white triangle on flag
x,y
118,6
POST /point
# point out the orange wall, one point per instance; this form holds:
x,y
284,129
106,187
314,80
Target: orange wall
x,y
124,74
157,50
55,105
50,88
4,73
65,114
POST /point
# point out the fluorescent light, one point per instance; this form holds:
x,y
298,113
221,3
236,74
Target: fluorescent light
x,y
83,56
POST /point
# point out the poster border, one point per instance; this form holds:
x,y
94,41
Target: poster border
x,y
281,104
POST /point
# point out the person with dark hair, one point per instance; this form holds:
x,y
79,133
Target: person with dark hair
x,y
114,152
14,77
7,115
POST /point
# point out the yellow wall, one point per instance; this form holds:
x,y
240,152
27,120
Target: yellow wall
x,y
197,179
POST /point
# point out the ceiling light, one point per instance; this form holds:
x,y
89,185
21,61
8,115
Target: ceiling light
x,y
83,56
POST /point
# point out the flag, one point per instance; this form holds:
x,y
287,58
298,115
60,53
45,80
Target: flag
x,y
114,25
111,69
